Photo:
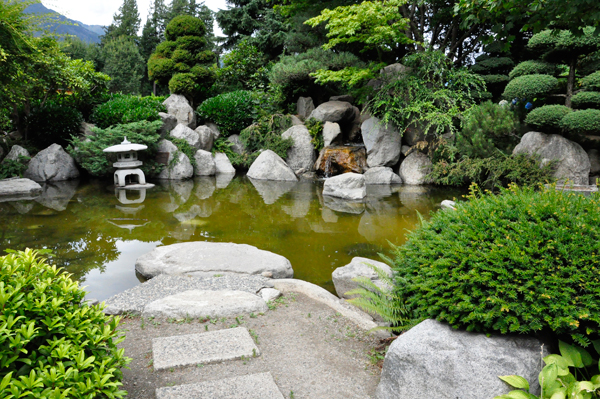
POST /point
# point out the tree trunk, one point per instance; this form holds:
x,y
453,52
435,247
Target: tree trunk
x,y
571,81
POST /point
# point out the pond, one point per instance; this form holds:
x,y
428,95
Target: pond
x,y
97,237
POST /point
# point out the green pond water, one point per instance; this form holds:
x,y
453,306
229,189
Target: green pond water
x,y
97,237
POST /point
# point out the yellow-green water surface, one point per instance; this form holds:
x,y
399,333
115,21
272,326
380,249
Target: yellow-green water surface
x,y
96,236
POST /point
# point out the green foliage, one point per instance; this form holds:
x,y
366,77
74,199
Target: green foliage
x,y
13,168
124,64
562,45
591,82
243,68
487,129
547,118
434,92
232,111
184,25
166,49
183,83
522,261
52,344
493,172
126,23
584,122
121,109
185,147
315,128
558,379
265,135
492,64
53,123
586,99
530,87
532,67
89,153
494,79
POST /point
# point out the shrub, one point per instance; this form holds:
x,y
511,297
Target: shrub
x,y
591,82
232,111
487,129
243,68
586,99
315,128
265,135
121,109
530,86
183,83
13,168
89,153
547,118
584,122
523,261
532,68
51,344
53,123
166,49
492,64
184,25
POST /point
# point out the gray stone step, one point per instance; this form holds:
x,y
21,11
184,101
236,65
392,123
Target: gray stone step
x,y
205,348
253,386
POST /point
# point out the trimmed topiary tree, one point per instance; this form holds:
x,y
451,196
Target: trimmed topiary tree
x,y
528,87
532,67
547,118
184,61
586,99
584,122
493,68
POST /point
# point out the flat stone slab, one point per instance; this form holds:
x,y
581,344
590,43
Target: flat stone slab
x,y
203,259
18,189
198,303
253,386
210,347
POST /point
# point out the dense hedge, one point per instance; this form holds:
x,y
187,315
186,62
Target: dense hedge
x,y
547,118
529,87
586,99
523,261
583,122
123,108
232,111
51,344
532,67
591,82
53,123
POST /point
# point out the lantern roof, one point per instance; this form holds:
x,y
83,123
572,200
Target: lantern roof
x,y
126,146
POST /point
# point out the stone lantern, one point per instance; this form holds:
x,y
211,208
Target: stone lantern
x,y
128,174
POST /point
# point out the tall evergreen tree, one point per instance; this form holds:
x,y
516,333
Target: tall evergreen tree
x,y
124,64
126,22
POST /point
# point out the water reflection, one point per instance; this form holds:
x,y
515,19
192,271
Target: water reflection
x,y
96,232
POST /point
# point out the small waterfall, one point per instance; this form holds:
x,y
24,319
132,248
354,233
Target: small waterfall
x,y
327,171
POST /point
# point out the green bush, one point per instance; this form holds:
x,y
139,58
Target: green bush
x,y
166,49
121,109
591,82
528,87
586,99
584,122
492,64
243,68
532,68
547,118
523,261
184,25
13,168
51,344
160,69
193,44
486,129
315,128
232,111
89,153
53,123
265,135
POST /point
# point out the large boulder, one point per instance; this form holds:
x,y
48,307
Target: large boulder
x,y
331,133
17,188
15,152
572,162
183,132
178,106
168,123
594,157
349,186
344,97
270,166
206,136
178,165
52,164
414,169
337,160
334,111
381,175
434,360
302,153
304,107
236,144
205,164
205,259
359,267
214,128
223,165
382,141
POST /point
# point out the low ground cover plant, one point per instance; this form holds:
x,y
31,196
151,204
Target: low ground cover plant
x,y
122,108
51,344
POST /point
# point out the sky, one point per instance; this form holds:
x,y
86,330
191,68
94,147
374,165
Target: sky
x,y
100,12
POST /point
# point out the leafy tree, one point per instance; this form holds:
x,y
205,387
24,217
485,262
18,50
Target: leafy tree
x,y
243,68
124,64
126,22
77,49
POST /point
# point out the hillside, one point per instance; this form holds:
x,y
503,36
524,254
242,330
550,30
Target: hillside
x,y
87,33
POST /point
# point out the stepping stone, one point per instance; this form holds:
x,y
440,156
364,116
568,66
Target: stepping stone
x,y
253,386
205,348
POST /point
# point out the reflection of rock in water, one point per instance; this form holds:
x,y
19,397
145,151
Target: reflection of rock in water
x,y
381,190
223,179
415,197
183,232
204,187
271,190
345,206
375,226
56,195
203,209
180,190
328,215
301,196
365,250
22,207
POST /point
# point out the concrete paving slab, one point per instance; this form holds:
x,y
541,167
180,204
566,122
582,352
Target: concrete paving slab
x,y
253,386
205,348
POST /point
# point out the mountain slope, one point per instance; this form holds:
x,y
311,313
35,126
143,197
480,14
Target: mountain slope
x,y
87,33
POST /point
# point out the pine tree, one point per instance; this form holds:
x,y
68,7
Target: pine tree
x,y
124,64
126,22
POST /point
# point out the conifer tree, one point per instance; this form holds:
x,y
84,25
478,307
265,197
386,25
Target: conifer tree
x,y
126,22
